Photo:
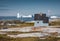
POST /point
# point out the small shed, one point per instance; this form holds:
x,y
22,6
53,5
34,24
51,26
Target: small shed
x,y
41,20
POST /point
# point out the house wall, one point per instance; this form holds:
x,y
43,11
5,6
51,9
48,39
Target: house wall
x,y
40,23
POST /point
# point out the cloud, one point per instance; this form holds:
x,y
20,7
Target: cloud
x,y
49,11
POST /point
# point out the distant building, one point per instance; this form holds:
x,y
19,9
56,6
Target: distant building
x,y
41,20
54,18
18,15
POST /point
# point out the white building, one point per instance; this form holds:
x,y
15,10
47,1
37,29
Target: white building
x,y
18,15
40,23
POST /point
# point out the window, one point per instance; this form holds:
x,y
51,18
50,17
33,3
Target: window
x,y
37,22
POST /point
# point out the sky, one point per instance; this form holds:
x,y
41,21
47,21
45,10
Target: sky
x,y
29,7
